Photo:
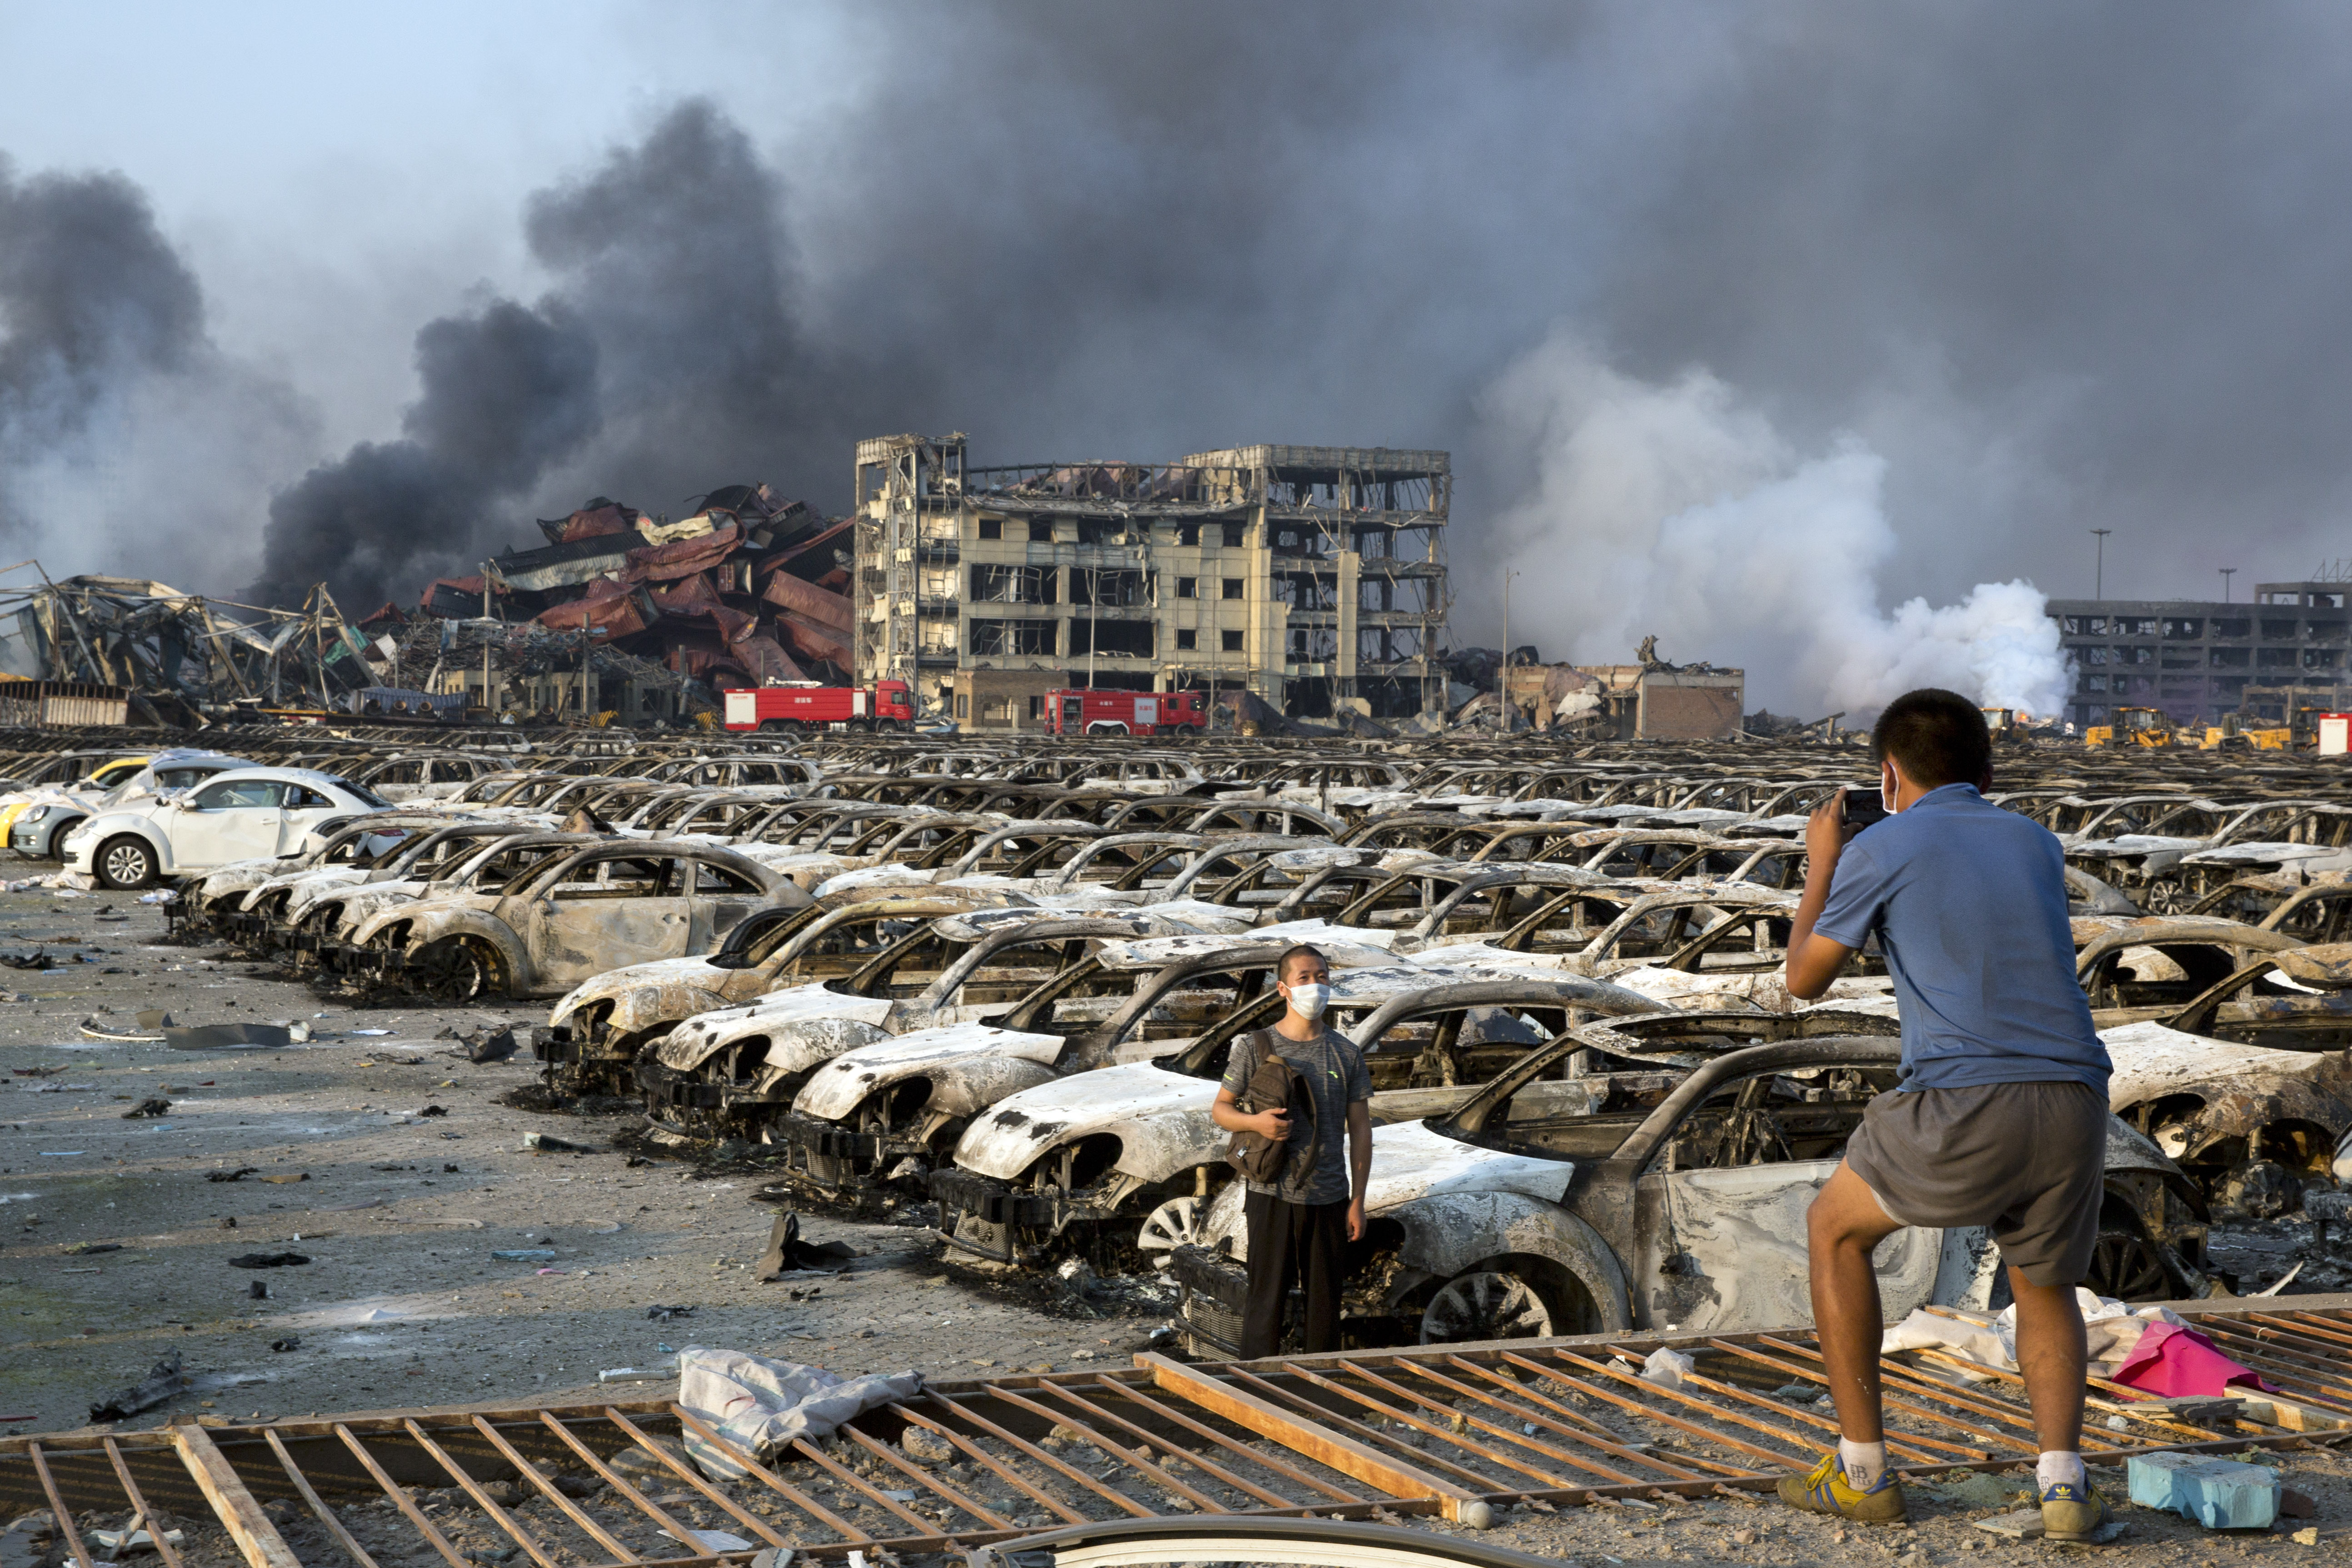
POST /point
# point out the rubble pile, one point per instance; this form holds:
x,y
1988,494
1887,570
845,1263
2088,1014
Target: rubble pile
x,y
748,589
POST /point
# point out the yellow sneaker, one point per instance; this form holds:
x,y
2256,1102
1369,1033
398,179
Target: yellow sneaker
x,y
1824,1489
2072,1513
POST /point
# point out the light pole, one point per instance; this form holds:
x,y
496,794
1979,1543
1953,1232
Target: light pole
x,y
2227,572
2099,581
1503,689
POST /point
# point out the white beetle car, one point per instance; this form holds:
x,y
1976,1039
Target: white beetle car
x,y
243,815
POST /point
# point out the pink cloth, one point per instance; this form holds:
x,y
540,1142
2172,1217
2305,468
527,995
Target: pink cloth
x,y
2170,1360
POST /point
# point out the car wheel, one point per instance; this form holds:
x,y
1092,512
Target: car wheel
x,y
1486,1304
2126,1265
125,863
776,726
455,970
1174,1223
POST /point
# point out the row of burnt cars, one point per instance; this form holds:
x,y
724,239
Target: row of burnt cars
x,y
1004,980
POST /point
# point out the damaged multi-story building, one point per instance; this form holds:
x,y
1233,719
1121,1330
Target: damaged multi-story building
x,y
1310,577
2197,659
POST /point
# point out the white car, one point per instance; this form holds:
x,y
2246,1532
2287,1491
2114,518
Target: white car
x,y
243,814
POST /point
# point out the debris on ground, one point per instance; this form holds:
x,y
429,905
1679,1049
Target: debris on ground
x,y
168,1378
153,1106
2219,1494
267,1261
788,1254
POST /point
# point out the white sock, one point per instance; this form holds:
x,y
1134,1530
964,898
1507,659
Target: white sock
x,y
1863,1462
2058,1466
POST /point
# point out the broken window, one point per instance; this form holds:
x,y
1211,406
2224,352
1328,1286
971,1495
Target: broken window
x,y
1188,587
2321,657
1188,533
938,635
1230,641
2094,656
1125,638
2182,629
2278,631
1232,536
2095,683
1187,639
1037,709
1014,638
2325,631
1092,586
2233,628
2135,625
2135,655
1012,584
2274,658
1232,587
2230,657
963,705
991,528
1040,531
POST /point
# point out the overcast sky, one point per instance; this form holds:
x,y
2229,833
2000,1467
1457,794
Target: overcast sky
x,y
2055,268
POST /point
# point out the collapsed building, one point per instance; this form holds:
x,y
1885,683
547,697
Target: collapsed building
x,y
1310,578
637,615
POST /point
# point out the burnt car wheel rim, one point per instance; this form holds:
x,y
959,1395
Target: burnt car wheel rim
x,y
1486,1305
451,972
1174,1223
2126,1266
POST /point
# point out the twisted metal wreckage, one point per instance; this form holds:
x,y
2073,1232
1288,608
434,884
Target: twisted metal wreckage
x,y
748,589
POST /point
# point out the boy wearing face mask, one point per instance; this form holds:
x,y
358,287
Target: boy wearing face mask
x,y
1301,1222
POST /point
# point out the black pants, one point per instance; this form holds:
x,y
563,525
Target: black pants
x,y
1287,1240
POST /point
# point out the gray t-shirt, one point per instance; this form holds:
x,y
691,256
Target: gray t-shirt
x,y
1336,1076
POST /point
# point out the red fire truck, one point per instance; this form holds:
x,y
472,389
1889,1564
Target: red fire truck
x,y
1077,712
805,705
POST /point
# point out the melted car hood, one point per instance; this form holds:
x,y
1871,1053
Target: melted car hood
x,y
1005,1141
1409,1160
693,1042
696,971
835,1089
2151,1059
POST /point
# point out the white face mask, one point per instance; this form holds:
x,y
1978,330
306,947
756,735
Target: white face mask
x,y
1309,1001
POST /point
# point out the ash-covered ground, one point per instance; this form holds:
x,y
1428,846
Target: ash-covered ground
x,y
390,1162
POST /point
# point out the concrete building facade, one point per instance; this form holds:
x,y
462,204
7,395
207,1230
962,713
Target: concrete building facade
x,y
2198,660
1313,577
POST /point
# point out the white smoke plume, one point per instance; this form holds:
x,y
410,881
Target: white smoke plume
x,y
1678,510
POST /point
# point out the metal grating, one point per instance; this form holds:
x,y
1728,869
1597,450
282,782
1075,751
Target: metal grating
x,y
1361,1435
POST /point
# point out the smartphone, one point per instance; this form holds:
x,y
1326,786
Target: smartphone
x,y
1864,807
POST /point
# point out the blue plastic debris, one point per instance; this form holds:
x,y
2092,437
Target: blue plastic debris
x,y
526,1254
2219,1494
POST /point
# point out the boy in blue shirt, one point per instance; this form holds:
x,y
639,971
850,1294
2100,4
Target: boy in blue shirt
x,y
2000,1117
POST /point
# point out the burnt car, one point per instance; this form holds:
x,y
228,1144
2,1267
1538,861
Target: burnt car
x,y
1123,1153
733,1071
574,917
1551,1203
2247,1086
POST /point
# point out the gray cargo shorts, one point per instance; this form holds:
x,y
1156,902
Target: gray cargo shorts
x,y
2027,1161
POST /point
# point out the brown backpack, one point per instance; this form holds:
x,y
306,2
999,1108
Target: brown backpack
x,y
1275,1085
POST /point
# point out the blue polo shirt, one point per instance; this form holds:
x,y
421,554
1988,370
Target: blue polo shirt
x,y
1969,902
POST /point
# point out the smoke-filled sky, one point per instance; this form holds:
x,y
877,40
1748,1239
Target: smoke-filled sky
x,y
1904,299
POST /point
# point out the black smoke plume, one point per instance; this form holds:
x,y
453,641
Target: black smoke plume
x,y
92,297
506,391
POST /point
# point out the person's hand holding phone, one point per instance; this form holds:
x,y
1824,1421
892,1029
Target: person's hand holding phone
x,y
1826,834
